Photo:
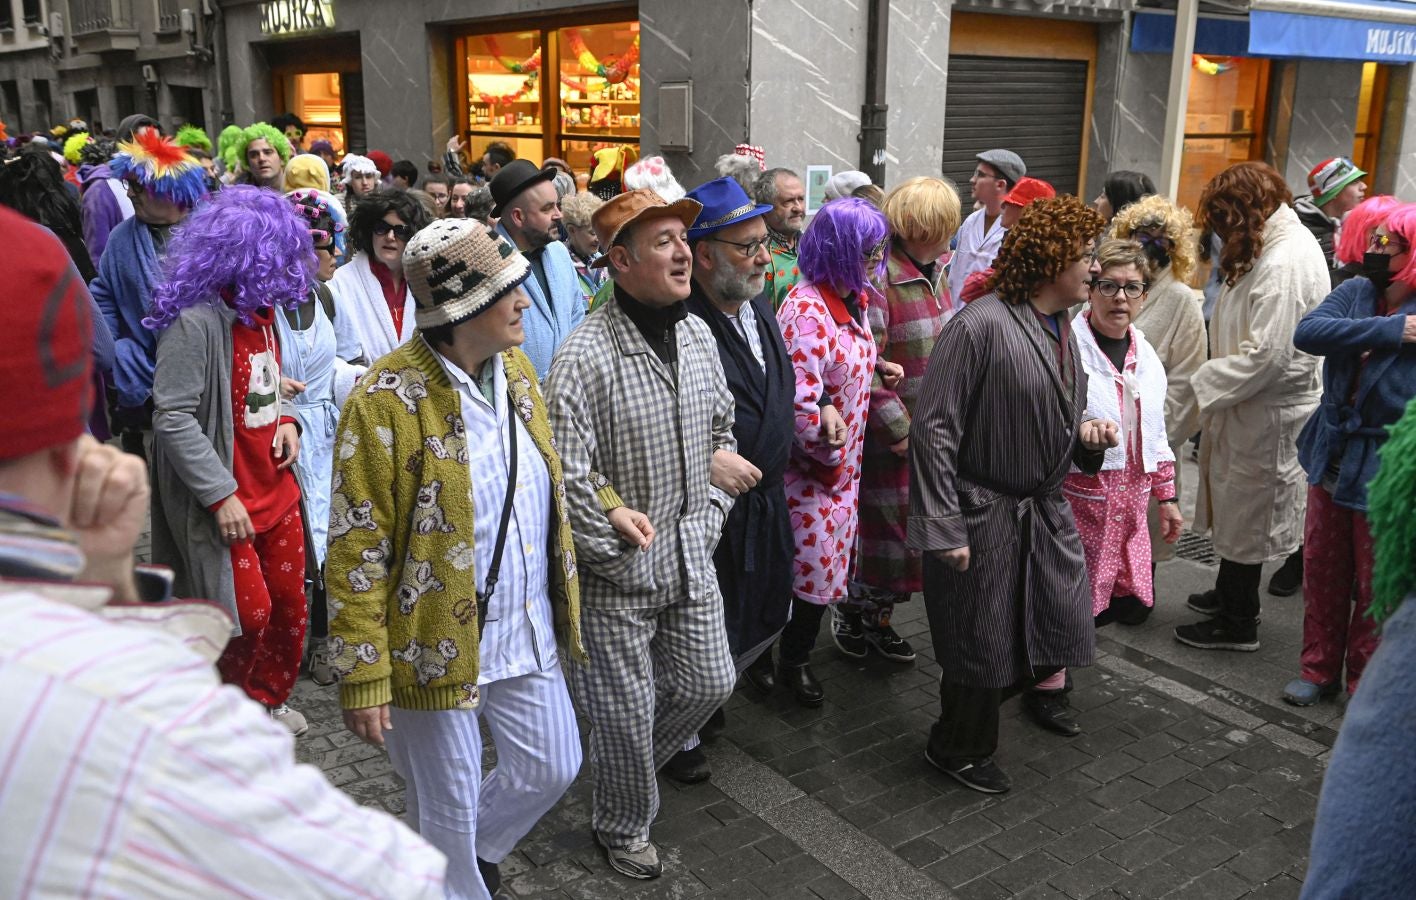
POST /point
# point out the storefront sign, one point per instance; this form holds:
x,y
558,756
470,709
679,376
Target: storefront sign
x,y
1283,34
286,17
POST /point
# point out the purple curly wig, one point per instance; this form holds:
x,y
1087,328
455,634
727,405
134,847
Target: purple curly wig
x,y
246,244
836,244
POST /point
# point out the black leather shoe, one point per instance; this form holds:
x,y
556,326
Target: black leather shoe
x,y
713,727
1129,610
491,875
688,767
803,684
761,675
1052,711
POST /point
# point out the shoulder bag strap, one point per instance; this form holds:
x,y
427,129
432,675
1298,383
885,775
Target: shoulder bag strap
x,y
484,597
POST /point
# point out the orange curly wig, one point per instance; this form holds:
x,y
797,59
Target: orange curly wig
x,y
1235,205
1042,245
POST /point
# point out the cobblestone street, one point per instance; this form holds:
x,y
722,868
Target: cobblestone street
x,y
1179,786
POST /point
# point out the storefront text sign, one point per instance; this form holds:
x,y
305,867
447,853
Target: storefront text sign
x,y
282,17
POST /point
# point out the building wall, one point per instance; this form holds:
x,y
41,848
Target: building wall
x,y
1128,108
1324,117
917,75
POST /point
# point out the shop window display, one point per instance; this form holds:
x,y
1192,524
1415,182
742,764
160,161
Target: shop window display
x,y
1224,119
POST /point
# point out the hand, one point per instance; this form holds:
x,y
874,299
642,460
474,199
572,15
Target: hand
x,y
1172,522
633,526
1099,434
833,427
956,559
287,445
369,724
1408,334
289,387
454,144
233,521
890,373
901,448
733,474
107,512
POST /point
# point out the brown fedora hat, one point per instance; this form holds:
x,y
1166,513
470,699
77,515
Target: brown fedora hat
x,y
617,214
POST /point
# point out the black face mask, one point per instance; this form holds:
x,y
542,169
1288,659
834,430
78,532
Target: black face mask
x,y
1376,267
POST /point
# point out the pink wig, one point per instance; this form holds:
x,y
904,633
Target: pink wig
x,y
1359,224
1401,222
835,245
246,246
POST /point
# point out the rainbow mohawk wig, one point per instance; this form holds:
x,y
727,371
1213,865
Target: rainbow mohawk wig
x,y
162,167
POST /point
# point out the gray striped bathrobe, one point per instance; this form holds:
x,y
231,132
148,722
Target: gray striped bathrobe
x,y
994,433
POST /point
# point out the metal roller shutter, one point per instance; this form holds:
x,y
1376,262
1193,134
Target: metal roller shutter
x,y
1034,107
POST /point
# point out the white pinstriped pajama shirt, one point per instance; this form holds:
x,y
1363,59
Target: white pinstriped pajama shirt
x,y
524,697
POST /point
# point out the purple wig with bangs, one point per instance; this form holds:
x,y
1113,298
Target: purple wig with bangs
x,y
838,243
246,245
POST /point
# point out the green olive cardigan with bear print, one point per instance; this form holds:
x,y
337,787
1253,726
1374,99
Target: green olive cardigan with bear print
x,y
400,571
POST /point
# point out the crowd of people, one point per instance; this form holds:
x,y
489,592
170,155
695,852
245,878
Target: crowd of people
x,y
501,442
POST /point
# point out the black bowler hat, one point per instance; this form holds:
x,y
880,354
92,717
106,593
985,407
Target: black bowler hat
x,y
515,177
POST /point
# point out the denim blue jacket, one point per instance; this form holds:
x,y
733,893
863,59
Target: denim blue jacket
x,y
550,320
1359,400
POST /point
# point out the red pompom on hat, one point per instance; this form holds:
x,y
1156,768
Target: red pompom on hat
x,y
47,366
382,161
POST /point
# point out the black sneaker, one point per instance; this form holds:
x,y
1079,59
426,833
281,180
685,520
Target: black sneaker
x,y
979,775
688,767
1289,577
1217,634
1206,604
848,631
883,640
1052,711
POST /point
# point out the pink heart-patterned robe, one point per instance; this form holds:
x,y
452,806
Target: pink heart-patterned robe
x,y
833,353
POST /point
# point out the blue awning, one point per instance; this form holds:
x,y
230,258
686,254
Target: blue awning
x,y
1366,30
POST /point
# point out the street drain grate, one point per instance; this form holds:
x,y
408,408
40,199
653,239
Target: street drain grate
x,y
1197,548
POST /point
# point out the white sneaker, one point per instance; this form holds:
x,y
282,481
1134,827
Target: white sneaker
x,y
290,719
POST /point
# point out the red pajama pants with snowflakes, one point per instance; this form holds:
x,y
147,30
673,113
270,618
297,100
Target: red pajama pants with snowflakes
x,y
270,601
1337,590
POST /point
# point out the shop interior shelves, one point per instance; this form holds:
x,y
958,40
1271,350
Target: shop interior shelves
x,y
603,102
507,129
623,135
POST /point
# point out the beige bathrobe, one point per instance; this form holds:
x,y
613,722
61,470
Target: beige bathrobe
x,y
1254,395
1174,325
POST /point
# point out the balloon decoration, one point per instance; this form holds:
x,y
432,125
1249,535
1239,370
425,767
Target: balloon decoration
x,y
1211,66
527,66
614,73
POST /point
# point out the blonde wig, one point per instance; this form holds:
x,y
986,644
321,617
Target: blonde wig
x,y
1175,222
923,210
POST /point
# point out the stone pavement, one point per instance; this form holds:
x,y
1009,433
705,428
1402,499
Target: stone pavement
x,y
1180,786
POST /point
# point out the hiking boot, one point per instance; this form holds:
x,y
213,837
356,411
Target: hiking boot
x,y
1289,577
688,767
980,775
290,719
1217,634
637,859
848,631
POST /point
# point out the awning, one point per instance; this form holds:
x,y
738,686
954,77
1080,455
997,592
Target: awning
x,y
1366,30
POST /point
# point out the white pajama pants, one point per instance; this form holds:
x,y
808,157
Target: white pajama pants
x,y
654,677
466,816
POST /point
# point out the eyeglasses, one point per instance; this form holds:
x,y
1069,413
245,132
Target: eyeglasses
x,y
1383,241
326,248
1107,288
749,250
876,253
402,232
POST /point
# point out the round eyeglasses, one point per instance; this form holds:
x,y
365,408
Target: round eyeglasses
x,y
1134,290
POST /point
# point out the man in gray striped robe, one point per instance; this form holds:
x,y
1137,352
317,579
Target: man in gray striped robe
x,y
1001,420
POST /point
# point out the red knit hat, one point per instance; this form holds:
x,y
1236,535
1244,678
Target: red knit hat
x,y
382,161
47,366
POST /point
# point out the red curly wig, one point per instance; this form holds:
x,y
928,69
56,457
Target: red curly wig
x,y
1042,245
1236,204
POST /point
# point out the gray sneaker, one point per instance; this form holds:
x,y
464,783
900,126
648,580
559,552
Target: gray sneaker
x,y
637,859
320,671
290,719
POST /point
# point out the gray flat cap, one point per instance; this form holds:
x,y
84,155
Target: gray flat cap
x,y
1009,164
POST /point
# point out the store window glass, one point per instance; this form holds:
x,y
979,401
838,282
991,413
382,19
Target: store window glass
x,y
599,90
1224,120
504,93
1370,103
316,98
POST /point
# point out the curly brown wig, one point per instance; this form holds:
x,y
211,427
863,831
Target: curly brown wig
x,y
1235,205
1042,245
